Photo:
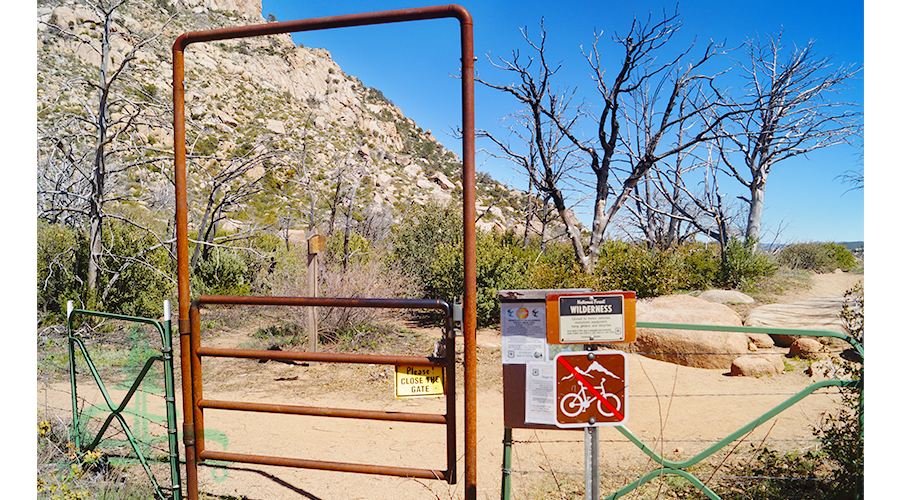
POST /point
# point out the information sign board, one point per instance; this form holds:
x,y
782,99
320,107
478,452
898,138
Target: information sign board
x,y
590,318
524,332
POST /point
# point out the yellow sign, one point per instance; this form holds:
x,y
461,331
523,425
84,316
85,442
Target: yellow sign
x,y
417,381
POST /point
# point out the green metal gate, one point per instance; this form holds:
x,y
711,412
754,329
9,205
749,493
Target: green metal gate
x,y
116,410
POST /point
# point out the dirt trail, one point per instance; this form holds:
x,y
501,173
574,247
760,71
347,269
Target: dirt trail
x,y
822,284
677,410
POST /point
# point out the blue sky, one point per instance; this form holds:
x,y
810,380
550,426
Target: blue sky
x,y
413,64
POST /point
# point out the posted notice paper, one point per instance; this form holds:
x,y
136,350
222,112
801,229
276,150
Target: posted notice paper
x,y
540,395
523,329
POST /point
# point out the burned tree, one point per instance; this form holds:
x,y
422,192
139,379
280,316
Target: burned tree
x,y
788,114
655,100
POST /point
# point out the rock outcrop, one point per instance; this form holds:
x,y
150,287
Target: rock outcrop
x,y
726,297
701,349
262,95
820,313
806,348
251,9
757,365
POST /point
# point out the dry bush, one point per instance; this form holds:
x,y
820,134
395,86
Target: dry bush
x,y
373,278
370,277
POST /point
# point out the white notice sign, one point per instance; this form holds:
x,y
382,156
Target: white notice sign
x,y
591,319
540,395
523,329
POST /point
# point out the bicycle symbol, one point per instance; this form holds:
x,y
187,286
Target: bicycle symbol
x,y
575,403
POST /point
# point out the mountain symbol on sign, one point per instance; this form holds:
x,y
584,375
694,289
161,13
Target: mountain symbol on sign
x,y
594,367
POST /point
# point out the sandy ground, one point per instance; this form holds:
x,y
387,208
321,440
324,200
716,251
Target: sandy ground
x,y
677,411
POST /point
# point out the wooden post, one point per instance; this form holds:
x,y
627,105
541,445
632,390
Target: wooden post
x,y
315,245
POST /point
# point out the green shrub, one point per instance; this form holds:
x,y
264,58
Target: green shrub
x,y
557,267
142,271
62,259
700,265
842,433
819,257
648,273
358,248
502,264
423,230
267,243
135,275
223,272
742,266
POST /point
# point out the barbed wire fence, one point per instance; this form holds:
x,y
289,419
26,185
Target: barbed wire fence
x,y
744,464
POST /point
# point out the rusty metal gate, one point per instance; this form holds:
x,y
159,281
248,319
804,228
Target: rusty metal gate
x,y
192,352
196,353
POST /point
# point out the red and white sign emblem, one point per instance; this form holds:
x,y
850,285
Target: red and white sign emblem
x,y
591,388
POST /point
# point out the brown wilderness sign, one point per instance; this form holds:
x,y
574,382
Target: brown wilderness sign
x,y
591,388
590,318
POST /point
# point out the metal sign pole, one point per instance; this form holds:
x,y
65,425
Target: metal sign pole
x,y
595,466
591,465
587,463
592,445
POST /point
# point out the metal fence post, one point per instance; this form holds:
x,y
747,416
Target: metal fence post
x,y
506,485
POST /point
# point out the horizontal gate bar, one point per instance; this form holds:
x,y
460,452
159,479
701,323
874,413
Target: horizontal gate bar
x,y
324,301
333,357
422,418
323,465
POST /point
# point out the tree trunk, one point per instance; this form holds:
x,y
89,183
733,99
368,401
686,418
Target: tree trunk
x,y
572,231
98,175
754,217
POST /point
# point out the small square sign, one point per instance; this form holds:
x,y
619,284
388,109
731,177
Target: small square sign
x,y
591,388
418,381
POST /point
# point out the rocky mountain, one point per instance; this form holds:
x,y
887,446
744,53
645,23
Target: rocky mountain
x,y
279,137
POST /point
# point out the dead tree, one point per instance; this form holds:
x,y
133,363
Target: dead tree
x,y
88,138
657,100
654,99
227,189
789,114
538,150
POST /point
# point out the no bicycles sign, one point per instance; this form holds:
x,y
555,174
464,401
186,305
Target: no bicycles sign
x,y
591,388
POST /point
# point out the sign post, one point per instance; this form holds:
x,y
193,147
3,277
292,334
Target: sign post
x,y
553,375
315,246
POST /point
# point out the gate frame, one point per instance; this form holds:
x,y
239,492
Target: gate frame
x,y
469,193
447,362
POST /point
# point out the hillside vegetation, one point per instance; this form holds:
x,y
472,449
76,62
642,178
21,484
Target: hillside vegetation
x,y
281,144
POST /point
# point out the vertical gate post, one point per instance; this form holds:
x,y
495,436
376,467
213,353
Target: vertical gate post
x,y
469,299
506,483
315,245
